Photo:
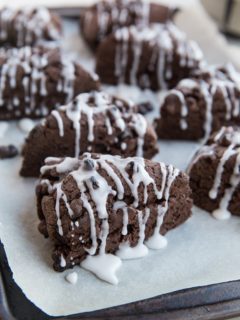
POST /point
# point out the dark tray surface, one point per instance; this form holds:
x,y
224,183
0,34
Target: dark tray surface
x,y
218,301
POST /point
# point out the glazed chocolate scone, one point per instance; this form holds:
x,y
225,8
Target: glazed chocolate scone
x,y
27,26
35,80
201,105
215,176
95,122
105,17
154,57
96,206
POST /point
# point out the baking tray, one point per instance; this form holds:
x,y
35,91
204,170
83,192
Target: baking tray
x,y
218,301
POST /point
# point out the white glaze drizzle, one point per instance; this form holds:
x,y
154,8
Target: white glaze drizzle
x,y
233,136
68,77
125,221
222,213
107,105
204,151
89,209
57,208
62,167
90,180
162,38
218,82
122,205
58,117
121,57
62,261
117,15
103,266
103,19
72,277
208,112
140,125
184,108
33,62
125,251
219,134
220,168
29,24
157,241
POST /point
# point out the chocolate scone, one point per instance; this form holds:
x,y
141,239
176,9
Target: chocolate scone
x,y
96,206
105,17
201,105
215,176
27,26
35,80
95,122
155,57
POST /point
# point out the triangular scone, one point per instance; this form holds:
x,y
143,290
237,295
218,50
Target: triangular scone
x,y
201,105
33,81
215,174
105,17
154,57
99,208
27,26
95,122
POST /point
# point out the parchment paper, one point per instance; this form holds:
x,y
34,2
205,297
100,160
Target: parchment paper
x,y
202,251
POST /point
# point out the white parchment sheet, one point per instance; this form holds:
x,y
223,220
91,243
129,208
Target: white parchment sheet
x,y
202,251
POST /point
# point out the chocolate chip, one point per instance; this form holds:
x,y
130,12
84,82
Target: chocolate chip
x,y
224,141
9,151
74,105
145,107
88,165
95,184
131,165
91,100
